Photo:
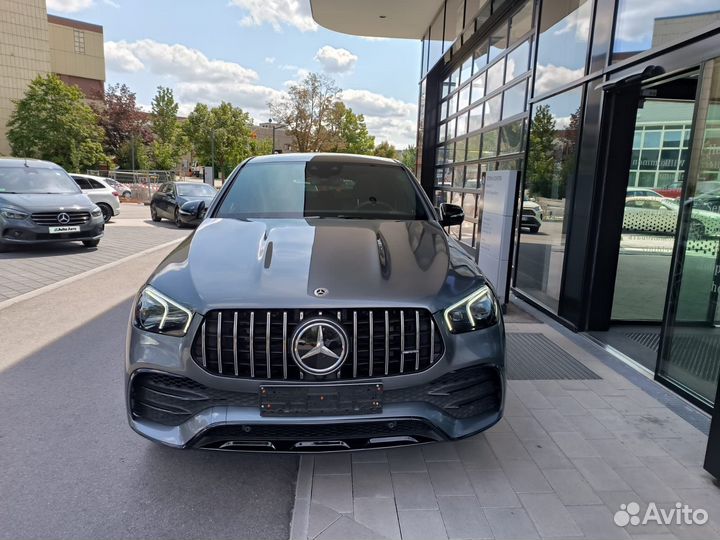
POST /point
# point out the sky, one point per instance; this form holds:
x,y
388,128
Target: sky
x,y
248,52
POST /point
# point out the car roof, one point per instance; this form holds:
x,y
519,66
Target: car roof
x,y
29,162
654,199
81,175
325,157
186,183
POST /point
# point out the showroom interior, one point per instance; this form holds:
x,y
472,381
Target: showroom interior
x,y
612,120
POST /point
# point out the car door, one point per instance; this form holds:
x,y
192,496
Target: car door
x,y
171,198
160,201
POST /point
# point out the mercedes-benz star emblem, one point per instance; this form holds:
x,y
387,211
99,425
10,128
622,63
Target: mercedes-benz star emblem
x,y
63,218
320,292
319,346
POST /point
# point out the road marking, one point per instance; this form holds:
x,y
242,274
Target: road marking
x,y
47,288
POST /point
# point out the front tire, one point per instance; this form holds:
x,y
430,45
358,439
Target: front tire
x,y
534,230
126,195
154,215
91,243
107,212
178,223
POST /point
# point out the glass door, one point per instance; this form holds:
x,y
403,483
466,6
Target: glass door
x,y
690,352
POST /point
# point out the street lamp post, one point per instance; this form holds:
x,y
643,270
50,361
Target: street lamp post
x,y
274,126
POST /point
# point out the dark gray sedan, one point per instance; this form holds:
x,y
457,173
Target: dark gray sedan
x,y
319,306
167,201
40,203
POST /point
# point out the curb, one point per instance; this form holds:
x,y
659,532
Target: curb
x,y
47,288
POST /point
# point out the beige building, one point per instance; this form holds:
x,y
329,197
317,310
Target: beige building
x,y
34,43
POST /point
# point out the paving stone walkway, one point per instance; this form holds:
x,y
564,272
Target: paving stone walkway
x,y
560,464
25,270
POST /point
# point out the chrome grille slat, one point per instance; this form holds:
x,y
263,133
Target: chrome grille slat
x,y
235,343
371,349
400,332
402,341
252,344
50,218
219,343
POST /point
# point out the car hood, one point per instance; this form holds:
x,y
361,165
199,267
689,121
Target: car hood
x,y
229,263
39,202
530,205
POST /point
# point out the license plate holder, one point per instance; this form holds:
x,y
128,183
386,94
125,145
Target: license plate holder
x,y
64,229
330,400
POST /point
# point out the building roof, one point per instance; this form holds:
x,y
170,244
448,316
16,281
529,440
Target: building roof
x,y
376,18
72,23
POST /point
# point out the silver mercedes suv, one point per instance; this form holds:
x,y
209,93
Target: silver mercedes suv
x,y
319,306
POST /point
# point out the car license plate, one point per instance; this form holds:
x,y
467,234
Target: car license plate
x,y
321,400
64,229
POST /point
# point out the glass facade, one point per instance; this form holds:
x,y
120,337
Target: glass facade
x,y
524,85
481,118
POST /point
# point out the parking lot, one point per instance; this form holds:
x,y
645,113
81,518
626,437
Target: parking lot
x,y
24,270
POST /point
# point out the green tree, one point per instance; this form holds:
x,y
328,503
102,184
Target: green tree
x,y
409,157
385,149
308,110
121,119
352,134
53,122
260,147
167,146
222,132
541,157
124,155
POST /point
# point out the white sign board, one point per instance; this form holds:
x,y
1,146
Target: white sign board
x,y
497,228
209,176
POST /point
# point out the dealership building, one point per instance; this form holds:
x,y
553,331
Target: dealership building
x,y
586,102
34,43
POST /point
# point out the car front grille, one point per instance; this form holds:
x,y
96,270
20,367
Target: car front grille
x,y
256,344
528,212
51,218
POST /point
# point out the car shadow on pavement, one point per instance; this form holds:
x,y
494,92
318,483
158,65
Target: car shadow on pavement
x,y
45,250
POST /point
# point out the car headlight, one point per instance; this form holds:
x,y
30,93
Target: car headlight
x,y
96,212
155,312
10,213
474,312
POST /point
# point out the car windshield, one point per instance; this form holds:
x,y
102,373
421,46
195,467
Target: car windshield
x,y
35,180
195,190
322,189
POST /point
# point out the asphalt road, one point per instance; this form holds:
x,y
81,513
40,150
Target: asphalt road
x,y
72,468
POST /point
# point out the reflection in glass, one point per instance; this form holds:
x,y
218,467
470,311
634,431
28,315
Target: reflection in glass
x,y
478,88
511,138
550,168
466,70
471,177
459,177
473,148
464,99
498,41
461,125
562,46
691,358
480,57
475,118
495,75
454,14
489,143
521,22
460,146
436,38
517,61
514,102
492,110
637,31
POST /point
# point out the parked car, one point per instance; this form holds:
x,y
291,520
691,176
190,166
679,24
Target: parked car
x,y
124,190
40,203
167,201
660,216
642,192
100,192
319,306
531,215
671,191
708,201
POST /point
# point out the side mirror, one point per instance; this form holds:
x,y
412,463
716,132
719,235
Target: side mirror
x,y
194,209
451,214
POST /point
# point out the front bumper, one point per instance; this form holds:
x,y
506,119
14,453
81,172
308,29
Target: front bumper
x,y
23,232
171,400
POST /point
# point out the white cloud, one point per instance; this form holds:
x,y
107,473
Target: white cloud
x,y
192,75
373,104
270,59
69,6
335,60
277,13
371,38
111,3
636,21
387,118
550,76
173,60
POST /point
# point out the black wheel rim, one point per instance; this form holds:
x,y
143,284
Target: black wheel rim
x,y
106,213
